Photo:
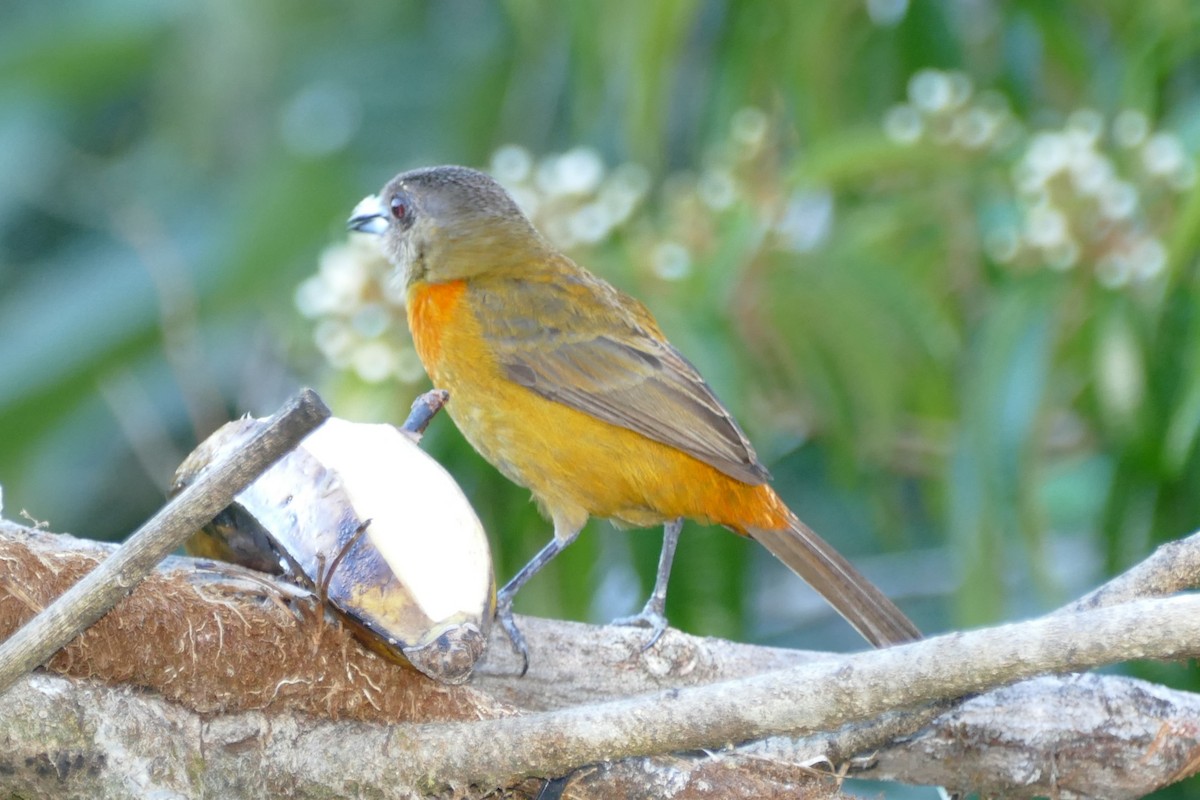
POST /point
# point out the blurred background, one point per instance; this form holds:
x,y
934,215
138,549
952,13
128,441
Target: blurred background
x,y
938,257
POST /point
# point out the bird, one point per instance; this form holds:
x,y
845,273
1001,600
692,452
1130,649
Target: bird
x,y
569,388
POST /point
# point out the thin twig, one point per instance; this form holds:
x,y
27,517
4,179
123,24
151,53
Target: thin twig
x,y
1173,567
424,409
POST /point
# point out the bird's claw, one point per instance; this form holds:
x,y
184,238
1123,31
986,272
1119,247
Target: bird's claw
x,y
504,615
651,617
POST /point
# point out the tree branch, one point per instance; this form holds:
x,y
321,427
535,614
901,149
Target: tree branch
x,y
184,514
798,700
1078,736
798,693
114,731
68,739
1172,567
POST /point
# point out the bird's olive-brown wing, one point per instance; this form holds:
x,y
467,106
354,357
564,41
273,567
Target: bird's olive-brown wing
x,y
578,341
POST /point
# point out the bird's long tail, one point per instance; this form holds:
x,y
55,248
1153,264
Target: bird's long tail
x,y
857,599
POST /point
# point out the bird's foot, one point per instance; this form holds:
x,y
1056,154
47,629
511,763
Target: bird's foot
x,y
651,616
504,615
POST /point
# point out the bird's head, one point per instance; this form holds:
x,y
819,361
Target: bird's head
x,y
448,223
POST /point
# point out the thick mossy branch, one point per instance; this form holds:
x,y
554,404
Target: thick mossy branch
x,y
218,639
97,591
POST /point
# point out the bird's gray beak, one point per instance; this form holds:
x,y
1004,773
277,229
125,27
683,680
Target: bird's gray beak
x,y
369,216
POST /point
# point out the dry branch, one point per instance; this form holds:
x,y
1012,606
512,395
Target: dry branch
x,y
68,738
1171,568
303,658
799,700
98,591
217,639
1079,736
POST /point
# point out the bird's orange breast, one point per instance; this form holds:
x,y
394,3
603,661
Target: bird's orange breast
x,y
574,463
433,309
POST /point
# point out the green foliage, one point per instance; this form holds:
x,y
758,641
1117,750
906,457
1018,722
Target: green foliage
x,y
942,264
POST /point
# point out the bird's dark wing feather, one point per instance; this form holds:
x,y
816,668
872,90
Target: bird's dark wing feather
x,y
610,362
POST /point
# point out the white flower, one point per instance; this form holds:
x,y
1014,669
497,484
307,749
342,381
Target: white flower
x,y
370,320
1063,255
976,127
1130,128
1163,154
335,340
960,88
671,261
511,164
374,361
1090,172
902,124
930,90
1048,153
590,223
1045,226
408,366
1113,270
580,171
717,189
1087,124
526,199
1147,258
1118,199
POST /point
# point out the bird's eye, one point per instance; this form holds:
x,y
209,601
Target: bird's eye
x,y
399,205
